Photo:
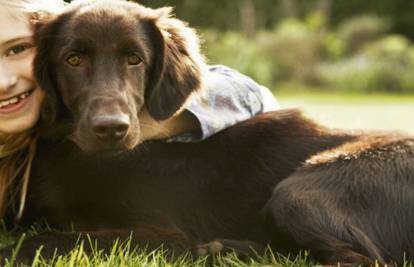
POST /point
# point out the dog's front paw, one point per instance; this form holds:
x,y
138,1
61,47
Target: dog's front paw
x,y
241,248
212,248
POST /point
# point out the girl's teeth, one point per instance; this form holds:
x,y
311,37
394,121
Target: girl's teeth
x,y
5,103
14,100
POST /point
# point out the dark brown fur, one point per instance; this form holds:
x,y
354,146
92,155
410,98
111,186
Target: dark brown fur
x,y
276,179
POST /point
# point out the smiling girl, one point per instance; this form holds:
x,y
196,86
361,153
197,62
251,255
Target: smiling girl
x,y
20,99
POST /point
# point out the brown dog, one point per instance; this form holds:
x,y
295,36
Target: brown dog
x,y
276,179
138,56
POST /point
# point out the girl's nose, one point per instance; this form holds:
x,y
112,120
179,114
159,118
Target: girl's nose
x,y
8,78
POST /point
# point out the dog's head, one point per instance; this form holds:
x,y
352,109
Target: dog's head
x,y
101,62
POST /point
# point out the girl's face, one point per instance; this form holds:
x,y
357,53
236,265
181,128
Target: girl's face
x,y
20,96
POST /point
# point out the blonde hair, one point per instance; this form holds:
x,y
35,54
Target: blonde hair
x,y
17,151
16,156
21,8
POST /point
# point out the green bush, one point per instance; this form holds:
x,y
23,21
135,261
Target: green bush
x,y
333,46
235,50
294,50
386,65
304,52
291,51
358,31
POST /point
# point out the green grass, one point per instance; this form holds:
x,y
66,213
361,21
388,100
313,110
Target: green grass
x,y
354,111
154,259
123,255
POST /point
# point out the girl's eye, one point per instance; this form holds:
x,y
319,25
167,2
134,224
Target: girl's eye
x,y
74,60
134,60
17,49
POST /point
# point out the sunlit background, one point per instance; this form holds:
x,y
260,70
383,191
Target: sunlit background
x,y
346,63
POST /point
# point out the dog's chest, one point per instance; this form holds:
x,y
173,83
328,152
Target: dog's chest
x,y
68,188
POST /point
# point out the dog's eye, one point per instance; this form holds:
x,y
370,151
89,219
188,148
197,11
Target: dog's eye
x,y
74,60
134,60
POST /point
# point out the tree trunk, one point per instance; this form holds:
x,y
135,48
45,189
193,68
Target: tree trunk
x,y
290,8
325,6
248,18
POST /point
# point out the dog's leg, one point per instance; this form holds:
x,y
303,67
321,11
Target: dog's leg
x,y
300,219
242,248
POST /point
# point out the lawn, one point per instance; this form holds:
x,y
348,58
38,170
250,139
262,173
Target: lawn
x,y
353,111
382,112
123,256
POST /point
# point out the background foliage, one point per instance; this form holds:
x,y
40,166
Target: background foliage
x,y
321,55
353,45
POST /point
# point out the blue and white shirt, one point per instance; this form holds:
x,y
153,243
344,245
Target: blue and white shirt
x,y
229,97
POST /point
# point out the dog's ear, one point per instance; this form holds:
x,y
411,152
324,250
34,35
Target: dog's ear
x,y
46,32
177,65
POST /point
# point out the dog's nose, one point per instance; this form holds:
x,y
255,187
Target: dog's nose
x,y
110,127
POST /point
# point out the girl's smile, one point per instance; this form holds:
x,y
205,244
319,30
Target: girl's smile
x,y
15,103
